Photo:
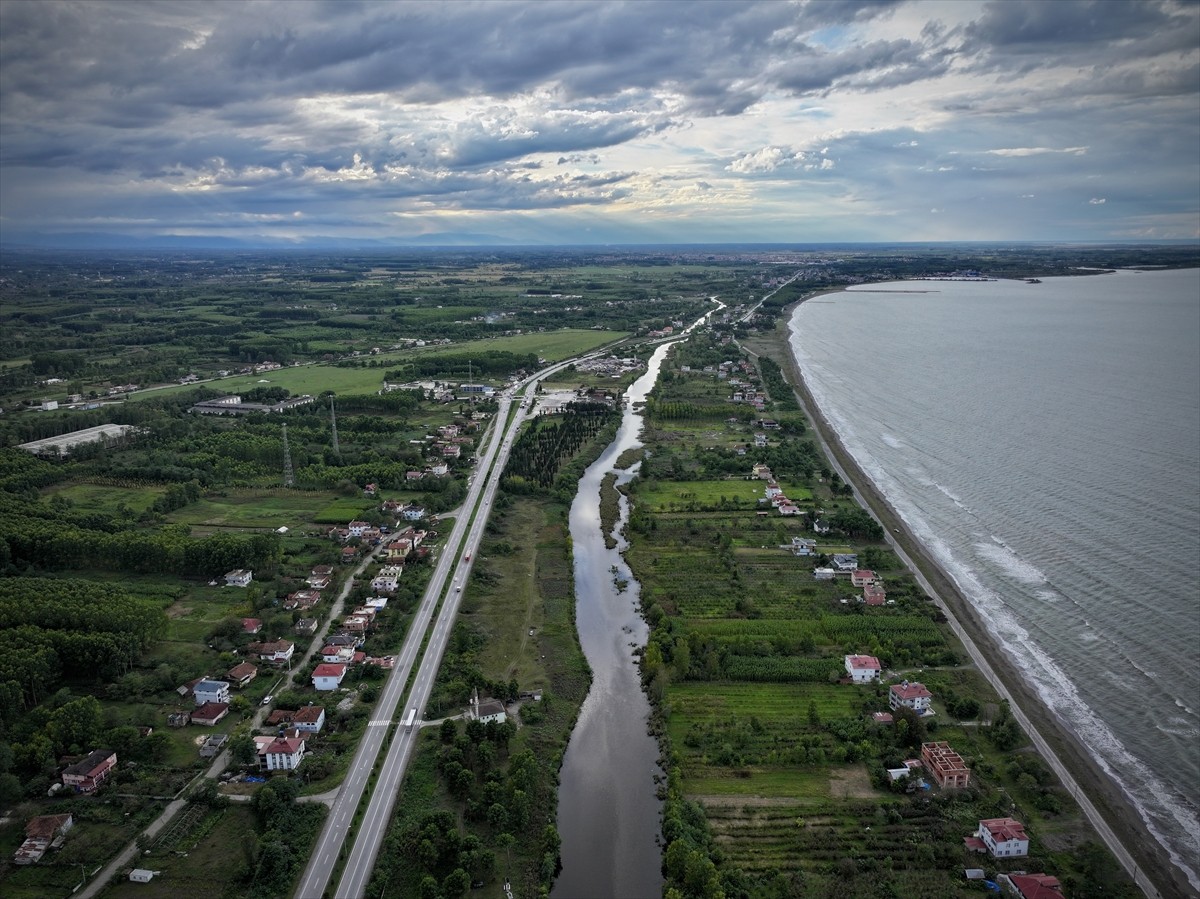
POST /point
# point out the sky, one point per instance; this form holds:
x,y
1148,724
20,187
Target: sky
x,y
288,122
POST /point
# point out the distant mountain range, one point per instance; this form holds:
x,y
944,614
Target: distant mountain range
x,y
90,240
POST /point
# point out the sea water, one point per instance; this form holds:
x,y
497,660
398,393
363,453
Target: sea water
x,y
1043,441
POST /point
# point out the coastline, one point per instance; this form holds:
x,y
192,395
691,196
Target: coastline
x,y
1103,802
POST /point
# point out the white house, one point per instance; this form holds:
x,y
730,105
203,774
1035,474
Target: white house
x,y
803,546
282,754
910,695
412,513
358,528
328,676
824,574
277,652
211,691
863,669
1003,837
773,489
239,577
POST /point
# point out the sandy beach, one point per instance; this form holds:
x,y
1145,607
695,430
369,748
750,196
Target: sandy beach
x,y
1101,798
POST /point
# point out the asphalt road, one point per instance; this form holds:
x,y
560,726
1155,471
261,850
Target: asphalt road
x,y
452,568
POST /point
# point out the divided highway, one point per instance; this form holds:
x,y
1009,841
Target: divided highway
x,y
462,541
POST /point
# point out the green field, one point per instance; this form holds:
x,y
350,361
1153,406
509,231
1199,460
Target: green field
x,y
267,508
103,498
347,381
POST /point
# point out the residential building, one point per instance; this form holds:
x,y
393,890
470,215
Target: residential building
x,y
282,754
241,674
945,765
210,714
84,776
1003,837
860,577
874,595
306,627
210,691
328,676
803,546
910,695
42,833
239,577
276,652
844,562
1031,886
251,625
863,669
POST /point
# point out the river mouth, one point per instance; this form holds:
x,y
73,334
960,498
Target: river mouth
x,y
609,811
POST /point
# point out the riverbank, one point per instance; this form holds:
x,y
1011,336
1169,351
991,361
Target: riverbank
x,y
1101,799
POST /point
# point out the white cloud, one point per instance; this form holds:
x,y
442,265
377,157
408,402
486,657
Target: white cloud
x,y
1098,201
1038,151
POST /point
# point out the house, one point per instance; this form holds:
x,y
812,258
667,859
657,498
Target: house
x,y
843,563
328,676
860,577
874,595
179,718
277,652
412,513
301,599
239,577
320,577
356,624
1031,886
773,489
881,717
282,754
210,691
1002,837
385,584
88,774
185,691
310,719
349,553
910,695
337,655
945,765
863,669
306,627
824,574
761,471
251,625
356,528
42,833
820,526
242,674
142,875
787,507
210,713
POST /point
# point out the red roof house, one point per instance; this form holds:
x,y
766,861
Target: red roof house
x,y
1034,886
328,676
210,713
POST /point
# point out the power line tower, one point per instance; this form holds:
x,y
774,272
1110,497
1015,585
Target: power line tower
x,y
289,478
337,450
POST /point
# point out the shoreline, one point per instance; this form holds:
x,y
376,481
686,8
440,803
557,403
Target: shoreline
x,y
1101,799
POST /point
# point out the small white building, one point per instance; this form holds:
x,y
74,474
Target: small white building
x,y
328,676
239,578
141,875
863,669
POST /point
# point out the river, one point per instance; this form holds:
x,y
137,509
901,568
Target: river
x,y
608,811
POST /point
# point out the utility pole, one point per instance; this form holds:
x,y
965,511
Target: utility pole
x,y
337,450
289,478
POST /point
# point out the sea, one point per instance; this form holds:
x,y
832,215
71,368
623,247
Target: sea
x,y
1043,441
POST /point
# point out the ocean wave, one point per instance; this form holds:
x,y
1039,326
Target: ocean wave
x,y
1170,816
893,442
999,554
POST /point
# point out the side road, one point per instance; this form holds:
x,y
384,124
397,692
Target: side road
x,y
221,762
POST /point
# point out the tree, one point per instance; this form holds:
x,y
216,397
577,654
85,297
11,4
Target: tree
x,y
242,749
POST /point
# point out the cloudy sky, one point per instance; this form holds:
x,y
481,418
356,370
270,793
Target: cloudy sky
x,y
566,121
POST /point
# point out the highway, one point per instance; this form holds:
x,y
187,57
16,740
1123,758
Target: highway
x,y
454,569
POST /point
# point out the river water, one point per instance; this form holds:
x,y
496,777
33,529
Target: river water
x,y
609,816
1043,441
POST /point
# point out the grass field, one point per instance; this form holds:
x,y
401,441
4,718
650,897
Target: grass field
x,y
101,498
314,379
269,508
